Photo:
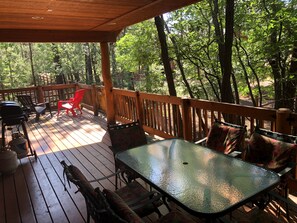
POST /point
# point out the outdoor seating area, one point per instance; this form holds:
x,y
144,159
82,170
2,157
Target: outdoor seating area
x,y
36,192
213,161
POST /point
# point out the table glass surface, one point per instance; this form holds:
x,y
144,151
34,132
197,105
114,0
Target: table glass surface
x,y
203,181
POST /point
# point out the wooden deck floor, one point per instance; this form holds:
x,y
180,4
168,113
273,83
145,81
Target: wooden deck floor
x,y
35,193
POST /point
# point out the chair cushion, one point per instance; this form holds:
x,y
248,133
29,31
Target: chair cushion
x,y
225,139
269,153
119,206
175,217
40,109
67,106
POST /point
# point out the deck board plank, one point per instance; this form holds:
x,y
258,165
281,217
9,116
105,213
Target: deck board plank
x,y
39,206
23,196
10,199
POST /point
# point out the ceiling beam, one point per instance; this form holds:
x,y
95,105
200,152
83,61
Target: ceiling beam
x,y
49,36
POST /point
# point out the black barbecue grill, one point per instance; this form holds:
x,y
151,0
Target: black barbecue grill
x,y
12,114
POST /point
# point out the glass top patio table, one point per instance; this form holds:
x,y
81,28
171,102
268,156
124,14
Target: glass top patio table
x,y
202,181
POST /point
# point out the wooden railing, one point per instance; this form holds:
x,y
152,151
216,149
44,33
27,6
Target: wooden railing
x,y
190,119
163,115
93,99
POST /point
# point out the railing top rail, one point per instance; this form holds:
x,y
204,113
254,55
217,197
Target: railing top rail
x,y
58,86
18,90
125,92
241,110
161,98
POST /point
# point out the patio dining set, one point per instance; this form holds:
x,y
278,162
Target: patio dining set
x,y
208,179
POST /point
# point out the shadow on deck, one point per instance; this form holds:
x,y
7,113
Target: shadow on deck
x,y
35,193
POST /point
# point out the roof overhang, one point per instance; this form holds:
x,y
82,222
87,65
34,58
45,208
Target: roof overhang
x,y
76,20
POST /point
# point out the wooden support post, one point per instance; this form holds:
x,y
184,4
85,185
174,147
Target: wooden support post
x,y
186,116
282,123
106,75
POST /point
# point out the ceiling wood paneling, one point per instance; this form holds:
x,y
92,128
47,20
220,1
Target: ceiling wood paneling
x,y
100,20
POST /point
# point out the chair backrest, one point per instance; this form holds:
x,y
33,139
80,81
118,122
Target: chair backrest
x,y
126,136
78,96
97,206
270,149
26,102
226,137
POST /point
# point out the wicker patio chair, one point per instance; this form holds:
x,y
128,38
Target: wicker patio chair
x,y
120,208
274,151
142,201
225,137
123,137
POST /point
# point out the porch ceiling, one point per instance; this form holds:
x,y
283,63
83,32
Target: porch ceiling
x,y
76,20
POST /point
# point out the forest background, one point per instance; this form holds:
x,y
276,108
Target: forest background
x,y
229,51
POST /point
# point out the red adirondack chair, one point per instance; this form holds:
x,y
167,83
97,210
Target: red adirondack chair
x,y
72,103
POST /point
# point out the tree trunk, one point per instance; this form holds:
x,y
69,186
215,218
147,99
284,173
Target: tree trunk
x,y
274,62
227,95
164,55
237,43
32,65
179,62
290,90
115,75
168,72
88,61
225,47
94,58
58,66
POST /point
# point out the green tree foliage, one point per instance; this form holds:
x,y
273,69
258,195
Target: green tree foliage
x,y
14,65
138,59
264,32
16,70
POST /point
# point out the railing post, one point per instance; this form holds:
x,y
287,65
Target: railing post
x,y
139,108
186,120
40,94
94,100
105,66
282,124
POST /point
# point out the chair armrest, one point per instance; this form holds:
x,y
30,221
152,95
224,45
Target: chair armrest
x,y
201,141
287,170
150,197
106,177
64,101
